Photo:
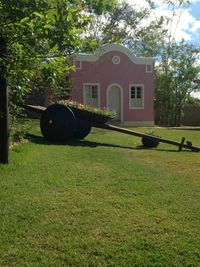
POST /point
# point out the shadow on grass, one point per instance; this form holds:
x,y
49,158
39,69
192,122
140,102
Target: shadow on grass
x,y
85,143
74,142
195,128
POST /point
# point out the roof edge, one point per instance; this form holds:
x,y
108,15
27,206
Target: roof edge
x,y
114,47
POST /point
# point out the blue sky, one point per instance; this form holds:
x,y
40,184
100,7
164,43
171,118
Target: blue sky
x,y
194,10
185,25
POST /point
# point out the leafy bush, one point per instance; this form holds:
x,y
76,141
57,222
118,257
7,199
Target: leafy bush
x,y
18,130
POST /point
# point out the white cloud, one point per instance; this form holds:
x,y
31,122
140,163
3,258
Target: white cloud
x,y
195,94
183,25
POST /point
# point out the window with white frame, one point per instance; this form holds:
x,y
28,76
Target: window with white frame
x,y
149,68
136,96
78,64
91,94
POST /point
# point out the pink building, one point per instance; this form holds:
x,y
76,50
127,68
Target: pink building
x,y
114,78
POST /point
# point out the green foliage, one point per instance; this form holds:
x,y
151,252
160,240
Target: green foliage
x,y
41,34
18,130
192,101
40,37
121,25
175,76
127,24
99,7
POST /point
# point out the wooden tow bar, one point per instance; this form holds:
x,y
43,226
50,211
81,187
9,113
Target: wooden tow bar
x,y
61,123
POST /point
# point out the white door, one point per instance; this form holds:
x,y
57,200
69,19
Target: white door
x,y
114,101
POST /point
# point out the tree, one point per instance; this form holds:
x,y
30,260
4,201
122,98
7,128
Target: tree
x,y
176,70
39,36
124,25
175,80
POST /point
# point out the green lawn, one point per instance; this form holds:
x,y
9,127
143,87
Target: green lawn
x,y
103,201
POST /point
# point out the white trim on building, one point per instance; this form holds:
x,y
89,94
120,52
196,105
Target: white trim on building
x,y
114,47
149,68
78,64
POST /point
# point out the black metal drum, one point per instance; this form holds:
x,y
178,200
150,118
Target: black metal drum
x,y
83,128
58,123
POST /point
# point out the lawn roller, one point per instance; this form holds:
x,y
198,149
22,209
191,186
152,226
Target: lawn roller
x,y
62,123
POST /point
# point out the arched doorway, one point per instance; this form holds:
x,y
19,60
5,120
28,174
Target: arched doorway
x,y
114,100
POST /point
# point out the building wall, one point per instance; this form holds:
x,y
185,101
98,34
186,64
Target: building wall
x,y
104,72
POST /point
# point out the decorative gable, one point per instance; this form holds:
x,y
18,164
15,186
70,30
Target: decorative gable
x,y
114,47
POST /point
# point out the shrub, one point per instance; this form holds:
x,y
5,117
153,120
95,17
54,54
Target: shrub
x,y
18,130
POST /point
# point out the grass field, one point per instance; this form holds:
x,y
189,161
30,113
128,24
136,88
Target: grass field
x,y
103,201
